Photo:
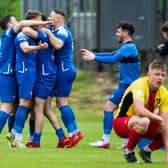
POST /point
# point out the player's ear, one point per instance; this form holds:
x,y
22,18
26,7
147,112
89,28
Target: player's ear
x,y
148,73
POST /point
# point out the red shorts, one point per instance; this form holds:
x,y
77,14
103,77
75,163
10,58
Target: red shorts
x,y
120,126
153,130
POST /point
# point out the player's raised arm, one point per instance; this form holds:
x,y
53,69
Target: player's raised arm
x,y
19,25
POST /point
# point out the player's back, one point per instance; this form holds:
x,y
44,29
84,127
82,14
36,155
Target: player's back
x,y
7,52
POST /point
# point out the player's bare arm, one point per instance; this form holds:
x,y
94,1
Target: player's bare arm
x,y
30,32
26,48
144,112
55,42
18,26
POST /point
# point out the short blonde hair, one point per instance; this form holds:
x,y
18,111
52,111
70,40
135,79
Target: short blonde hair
x,y
158,64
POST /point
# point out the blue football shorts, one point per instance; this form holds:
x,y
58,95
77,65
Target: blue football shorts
x,y
44,86
64,81
26,82
118,93
8,89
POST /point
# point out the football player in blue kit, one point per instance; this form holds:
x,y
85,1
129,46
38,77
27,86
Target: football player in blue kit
x,y
46,76
8,83
8,91
61,39
129,69
26,55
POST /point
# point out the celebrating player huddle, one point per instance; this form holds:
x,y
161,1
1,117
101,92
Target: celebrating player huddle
x,y
35,64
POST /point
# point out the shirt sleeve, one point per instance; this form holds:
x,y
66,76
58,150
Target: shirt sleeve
x,y
138,94
126,50
109,58
62,34
21,38
139,91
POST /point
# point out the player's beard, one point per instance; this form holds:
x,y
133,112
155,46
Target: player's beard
x,y
120,39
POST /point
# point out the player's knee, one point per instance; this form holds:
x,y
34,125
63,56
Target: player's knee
x,y
7,107
61,102
145,122
58,103
109,107
142,125
25,102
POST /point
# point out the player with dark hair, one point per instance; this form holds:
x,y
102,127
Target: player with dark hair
x,y
129,68
143,113
46,76
26,54
61,39
8,83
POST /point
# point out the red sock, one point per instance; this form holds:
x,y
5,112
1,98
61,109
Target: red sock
x,y
133,139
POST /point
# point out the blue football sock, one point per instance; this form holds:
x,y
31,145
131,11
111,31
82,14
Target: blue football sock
x,y
3,118
75,126
31,126
107,122
36,138
11,120
20,118
67,117
60,133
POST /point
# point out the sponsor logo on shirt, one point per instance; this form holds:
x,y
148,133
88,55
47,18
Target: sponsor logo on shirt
x,y
139,93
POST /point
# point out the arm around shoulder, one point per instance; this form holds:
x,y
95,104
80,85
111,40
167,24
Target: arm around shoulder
x,y
18,26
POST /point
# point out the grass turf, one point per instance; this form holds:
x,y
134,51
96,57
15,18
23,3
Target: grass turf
x,y
83,155
88,97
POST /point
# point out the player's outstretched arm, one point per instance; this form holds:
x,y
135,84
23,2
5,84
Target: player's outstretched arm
x,y
87,55
19,25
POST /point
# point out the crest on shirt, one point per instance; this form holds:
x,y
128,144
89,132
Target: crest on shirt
x,y
157,100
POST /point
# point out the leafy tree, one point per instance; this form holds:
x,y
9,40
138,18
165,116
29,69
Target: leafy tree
x,y
10,6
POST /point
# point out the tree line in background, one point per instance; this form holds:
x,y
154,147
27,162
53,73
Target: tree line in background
x,y
10,6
